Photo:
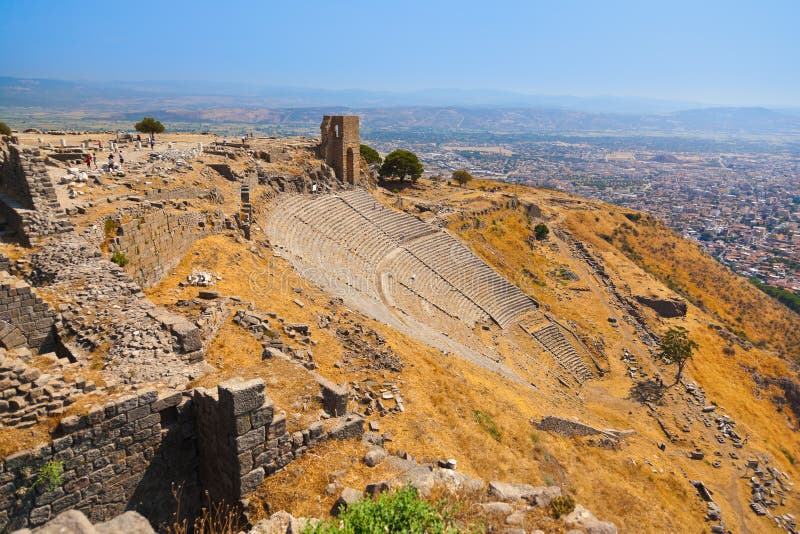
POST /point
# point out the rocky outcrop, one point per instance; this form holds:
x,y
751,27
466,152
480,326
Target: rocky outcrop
x,y
666,307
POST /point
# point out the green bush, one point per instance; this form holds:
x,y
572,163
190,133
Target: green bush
x,y
561,506
120,258
540,231
400,511
4,129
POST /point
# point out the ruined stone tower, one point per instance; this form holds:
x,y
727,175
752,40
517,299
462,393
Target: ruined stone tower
x,y
340,146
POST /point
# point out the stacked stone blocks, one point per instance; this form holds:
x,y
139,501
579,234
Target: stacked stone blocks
x,y
155,242
106,456
27,195
24,318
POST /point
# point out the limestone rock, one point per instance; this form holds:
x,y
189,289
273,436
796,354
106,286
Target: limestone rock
x,y
663,306
130,522
348,497
374,456
582,518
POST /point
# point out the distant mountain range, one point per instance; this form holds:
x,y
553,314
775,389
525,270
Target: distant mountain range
x,y
435,109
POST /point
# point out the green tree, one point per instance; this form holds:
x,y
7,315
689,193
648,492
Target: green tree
x,y
4,129
540,231
401,164
370,155
149,125
677,348
462,177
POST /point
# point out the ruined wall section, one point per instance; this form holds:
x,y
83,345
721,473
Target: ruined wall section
x,y
131,452
341,146
123,455
155,241
104,309
27,196
25,319
29,394
242,440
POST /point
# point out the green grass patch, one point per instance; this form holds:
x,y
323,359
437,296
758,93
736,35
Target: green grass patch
x,y
486,422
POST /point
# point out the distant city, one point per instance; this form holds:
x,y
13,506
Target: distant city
x,y
742,207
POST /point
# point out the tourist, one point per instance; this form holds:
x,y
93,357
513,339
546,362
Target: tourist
x,y
111,162
152,143
139,138
100,146
94,159
89,160
121,159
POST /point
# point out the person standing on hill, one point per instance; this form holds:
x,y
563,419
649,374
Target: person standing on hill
x,y
94,159
111,162
89,160
121,159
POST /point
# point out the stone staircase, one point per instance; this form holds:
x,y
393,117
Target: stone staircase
x,y
553,339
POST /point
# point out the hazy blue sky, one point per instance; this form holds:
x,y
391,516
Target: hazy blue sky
x,y
722,52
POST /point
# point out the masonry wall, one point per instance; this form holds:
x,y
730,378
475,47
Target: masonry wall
x,y
24,318
155,242
131,453
340,146
124,455
28,199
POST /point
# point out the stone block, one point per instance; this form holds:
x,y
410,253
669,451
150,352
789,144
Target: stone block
x,y
348,497
238,396
251,481
147,396
348,427
250,440
138,412
264,415
166,399
243,424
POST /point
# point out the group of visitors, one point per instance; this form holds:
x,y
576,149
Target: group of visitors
x,y
91,159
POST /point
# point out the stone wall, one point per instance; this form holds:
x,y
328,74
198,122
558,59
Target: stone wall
x,y
27,196
154,242
124,455
242,439
132,452
24,318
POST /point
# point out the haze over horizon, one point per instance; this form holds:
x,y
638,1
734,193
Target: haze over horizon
x,y
715,53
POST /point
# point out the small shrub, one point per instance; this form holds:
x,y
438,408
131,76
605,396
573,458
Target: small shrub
x,y
400,511
633,217
561,506
540,231
120,258
49,477
486,422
